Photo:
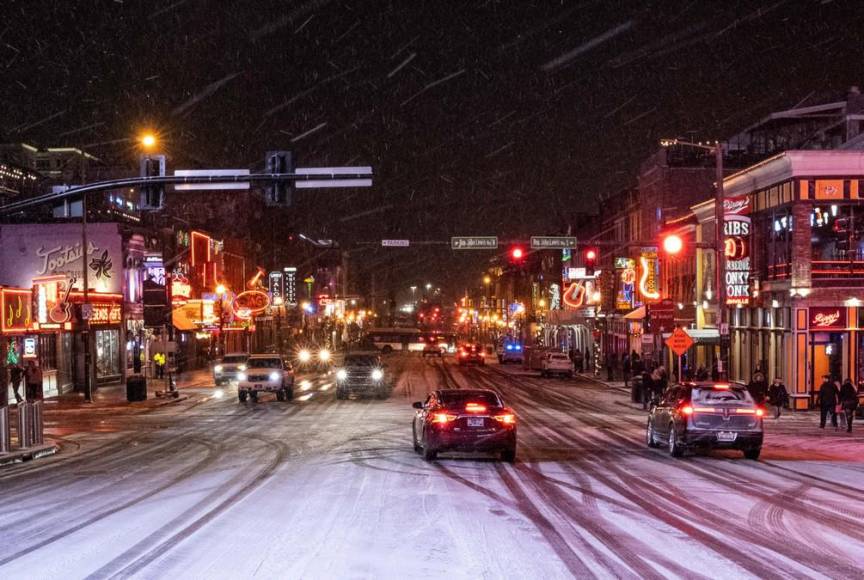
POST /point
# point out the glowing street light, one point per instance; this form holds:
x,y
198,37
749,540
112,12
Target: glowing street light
x,y
148,140
487,280
672,244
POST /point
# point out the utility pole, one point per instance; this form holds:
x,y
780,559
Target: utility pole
x,y
719,210
89,338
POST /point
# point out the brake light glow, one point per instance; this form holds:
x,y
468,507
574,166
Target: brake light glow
x,y
704,410
507,419
687,410
443,418
722,387
475,408
760,412
748,411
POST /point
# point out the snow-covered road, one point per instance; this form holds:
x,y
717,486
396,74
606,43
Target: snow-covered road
x,y
319,488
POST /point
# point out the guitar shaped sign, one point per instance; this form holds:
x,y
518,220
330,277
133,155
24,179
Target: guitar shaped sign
x,y
62,311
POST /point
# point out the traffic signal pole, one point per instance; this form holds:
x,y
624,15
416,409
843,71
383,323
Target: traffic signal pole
x,y
719,210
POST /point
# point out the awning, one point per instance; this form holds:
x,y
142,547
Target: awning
x,y
637,314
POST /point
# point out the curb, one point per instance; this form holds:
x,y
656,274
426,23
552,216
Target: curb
x,y
28,454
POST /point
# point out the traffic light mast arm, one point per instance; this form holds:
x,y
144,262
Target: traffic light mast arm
x,y
301,175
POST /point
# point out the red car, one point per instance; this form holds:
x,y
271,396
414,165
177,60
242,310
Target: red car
x,y
470,354
464,419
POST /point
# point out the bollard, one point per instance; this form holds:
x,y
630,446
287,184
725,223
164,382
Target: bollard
x,y
5,430
25,430
37,426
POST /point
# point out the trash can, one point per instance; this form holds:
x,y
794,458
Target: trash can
x,y
636,390
136,388
25,425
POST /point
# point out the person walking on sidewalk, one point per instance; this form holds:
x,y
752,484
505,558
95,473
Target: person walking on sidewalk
x,y
16,375
849,402
33,376
778,396
626,367
610,367
758,387
829,396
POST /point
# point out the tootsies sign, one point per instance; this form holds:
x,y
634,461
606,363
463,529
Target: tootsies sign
x,y
832,317
29,251
736,249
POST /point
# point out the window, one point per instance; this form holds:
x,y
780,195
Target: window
x,y
48,352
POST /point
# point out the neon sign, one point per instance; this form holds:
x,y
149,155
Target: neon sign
x,y
574,295
832,317
181,290
248,304
648,280
105,313
16,307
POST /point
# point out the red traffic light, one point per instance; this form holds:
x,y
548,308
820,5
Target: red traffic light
x,y
591,255
672,244
517,253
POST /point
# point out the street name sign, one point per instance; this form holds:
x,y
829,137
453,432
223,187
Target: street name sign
x,y
474,242
553,243
211,173
679,342
395,243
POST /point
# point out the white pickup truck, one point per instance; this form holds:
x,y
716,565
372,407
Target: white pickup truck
x,y
557,363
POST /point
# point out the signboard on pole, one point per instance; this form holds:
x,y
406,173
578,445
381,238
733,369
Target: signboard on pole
x,y
680,342
276,285
736,249
395,243
474,242
290,285
661,316
553,242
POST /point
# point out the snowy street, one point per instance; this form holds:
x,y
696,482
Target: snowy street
x,y
319,488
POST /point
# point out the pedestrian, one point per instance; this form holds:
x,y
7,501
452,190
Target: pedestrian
x,y
715,372
647,388
587,360
849,402
610,367
16,375
758,387
625,367
578,360
33,378
829,397
636,364
778,396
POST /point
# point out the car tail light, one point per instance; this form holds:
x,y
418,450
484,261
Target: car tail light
x,y
475,408
687,410
748,411
704,410
760,412
443,418
506,418
722,387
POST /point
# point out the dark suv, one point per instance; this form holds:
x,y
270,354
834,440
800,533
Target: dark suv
x,y
706,416
361,374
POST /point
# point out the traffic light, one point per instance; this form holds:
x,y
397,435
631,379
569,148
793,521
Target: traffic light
x,y
278,193
673,244
152,197
155,304
517,254
590,258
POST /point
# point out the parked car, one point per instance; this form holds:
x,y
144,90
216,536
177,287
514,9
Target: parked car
x,y
434,349
557,363
470,354
363,374
706,416
266,373
226,369
464,419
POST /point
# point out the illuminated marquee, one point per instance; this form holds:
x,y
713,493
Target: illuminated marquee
x,y
181,290
248,304
736,249
648,286
105,313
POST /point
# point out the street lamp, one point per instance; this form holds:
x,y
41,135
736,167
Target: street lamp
x,y
148,140
720,261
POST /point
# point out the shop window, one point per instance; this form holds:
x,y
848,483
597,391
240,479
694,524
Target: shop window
x,y
107,353
837,235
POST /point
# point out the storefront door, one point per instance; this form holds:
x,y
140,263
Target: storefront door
x,y
828,353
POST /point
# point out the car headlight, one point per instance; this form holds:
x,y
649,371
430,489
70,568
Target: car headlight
x,y
304,355
241,376
341,374
377,375
218,368
274,376
241,367
324,355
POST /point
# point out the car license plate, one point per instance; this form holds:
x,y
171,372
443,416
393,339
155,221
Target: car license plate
x,y
726,436
475,421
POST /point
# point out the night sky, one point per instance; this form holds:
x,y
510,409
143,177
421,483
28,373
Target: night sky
x,y
478,117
